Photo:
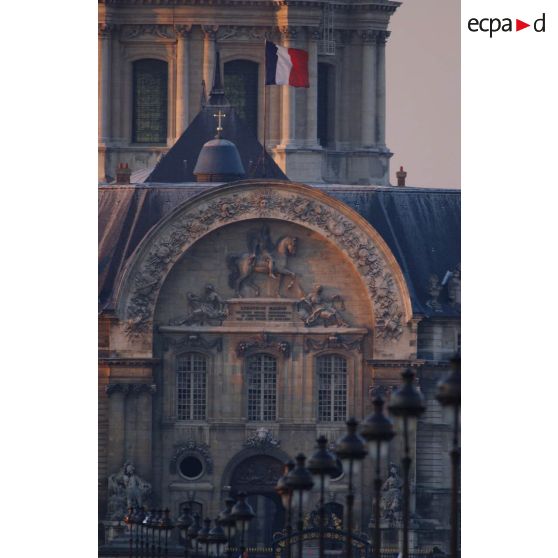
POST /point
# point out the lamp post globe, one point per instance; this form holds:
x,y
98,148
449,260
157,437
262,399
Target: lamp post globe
x,y
242,513
203,534
228,522
449,387
322,465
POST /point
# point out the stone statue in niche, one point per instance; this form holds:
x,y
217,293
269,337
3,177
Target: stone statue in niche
x,y
391,498
207,308
264,256
434,290
126,490
316,309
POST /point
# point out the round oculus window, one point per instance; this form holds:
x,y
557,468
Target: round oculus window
x,y
191,467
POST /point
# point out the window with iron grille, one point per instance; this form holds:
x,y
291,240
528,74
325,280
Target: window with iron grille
x,y
332,388
150,101
191,383
262,387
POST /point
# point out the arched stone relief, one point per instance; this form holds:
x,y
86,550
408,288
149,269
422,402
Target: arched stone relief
x,y
150,264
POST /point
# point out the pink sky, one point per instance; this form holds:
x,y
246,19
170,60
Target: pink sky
x,y
423,92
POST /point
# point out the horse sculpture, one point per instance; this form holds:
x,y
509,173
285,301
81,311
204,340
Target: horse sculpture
x,y
264,257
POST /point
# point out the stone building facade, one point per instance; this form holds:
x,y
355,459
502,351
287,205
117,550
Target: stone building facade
x,y
211,377
154,55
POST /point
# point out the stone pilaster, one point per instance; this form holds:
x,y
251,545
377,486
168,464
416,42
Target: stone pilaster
x,y
381,88
209,36
288,98
143,395
368,92
105,40
312,91
182,77
116,425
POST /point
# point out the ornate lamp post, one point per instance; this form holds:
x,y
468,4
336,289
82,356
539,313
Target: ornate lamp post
x,y
228,522
242,513
286,495
193,531
449,395
378,431
299,480
167,526
322,464
408,403
351,450
217,539
203,535
183,522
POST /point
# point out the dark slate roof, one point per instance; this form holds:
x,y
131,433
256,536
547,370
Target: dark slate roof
x,y
421,226
177,165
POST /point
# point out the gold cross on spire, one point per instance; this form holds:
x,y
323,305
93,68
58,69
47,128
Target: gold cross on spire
x,y
219,116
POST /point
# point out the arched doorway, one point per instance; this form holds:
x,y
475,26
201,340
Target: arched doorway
x,y
257,476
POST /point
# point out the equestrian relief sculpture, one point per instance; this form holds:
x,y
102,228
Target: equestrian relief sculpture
x,y
264,257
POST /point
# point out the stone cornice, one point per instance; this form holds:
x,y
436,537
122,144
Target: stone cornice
x,y
381,363
129,362
348,7
130,388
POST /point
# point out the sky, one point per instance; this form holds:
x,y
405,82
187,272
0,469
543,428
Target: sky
x,y
423,93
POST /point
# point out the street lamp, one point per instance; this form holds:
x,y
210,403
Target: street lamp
x,y
242,513
216,539
183,522
229,523
203,535
299,480
193,531
378,431
286,495
166,525
322,465
351,450
449,395
408,404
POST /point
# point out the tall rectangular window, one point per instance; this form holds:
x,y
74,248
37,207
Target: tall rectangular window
x,y
191,387
262,387
150,79
332,388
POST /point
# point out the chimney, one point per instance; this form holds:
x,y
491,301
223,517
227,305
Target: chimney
x,y
123,173
401,175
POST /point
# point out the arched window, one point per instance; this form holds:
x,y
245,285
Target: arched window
x,y
150,79
241,88
191,384
332,388
262,387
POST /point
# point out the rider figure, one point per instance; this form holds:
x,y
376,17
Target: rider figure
x,y
262,248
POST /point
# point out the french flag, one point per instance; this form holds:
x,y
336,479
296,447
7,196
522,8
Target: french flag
x,y
285,66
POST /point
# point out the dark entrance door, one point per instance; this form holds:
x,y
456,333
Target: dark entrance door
x,y
257,476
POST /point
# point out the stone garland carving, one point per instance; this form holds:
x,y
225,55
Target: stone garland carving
x,y
316,309
263,342
189,227
261,439
334,341
243,33
125,490
131,388
196,448
193,341
162,31
206,308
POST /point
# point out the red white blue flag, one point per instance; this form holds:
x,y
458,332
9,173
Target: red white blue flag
x,y
285,66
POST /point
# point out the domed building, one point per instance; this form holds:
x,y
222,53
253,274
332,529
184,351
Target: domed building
x,y
243,312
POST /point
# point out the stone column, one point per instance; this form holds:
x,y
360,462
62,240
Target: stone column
x,y
209,36
182,77
116,426
381,88
105,31
288,98
312,91
368,91
344,136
